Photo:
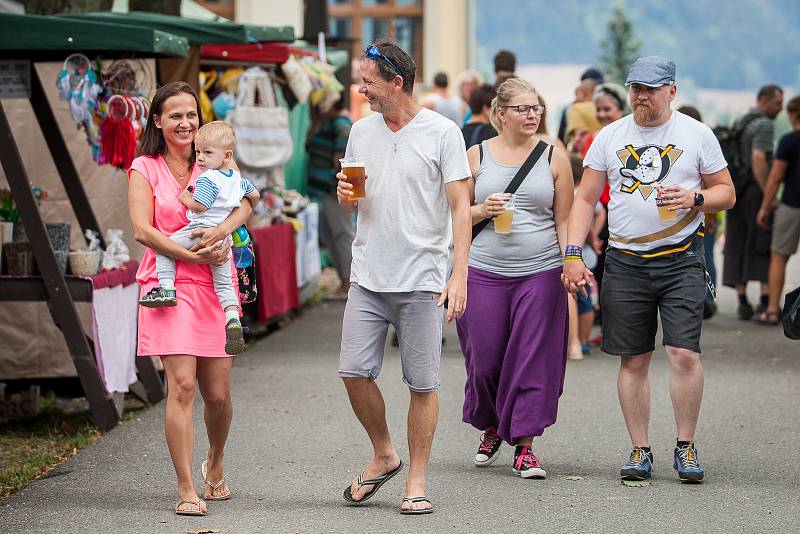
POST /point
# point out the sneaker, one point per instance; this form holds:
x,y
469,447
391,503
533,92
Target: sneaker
x,y
586,348
575,353
639,465
488,449
158,297
526,464
234,337
745,311
687,464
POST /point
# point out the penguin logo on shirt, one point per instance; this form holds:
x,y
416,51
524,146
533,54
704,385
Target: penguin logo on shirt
x,y
643,167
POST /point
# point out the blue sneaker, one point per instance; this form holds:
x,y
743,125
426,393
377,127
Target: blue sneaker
x,y
639,466
687,464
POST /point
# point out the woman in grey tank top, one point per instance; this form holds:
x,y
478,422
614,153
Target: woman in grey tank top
x,y
514,331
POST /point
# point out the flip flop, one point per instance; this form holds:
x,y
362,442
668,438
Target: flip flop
x,y
197,503
376,484
214,487
412,511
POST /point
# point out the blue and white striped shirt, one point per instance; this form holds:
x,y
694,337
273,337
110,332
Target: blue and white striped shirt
x,y
221,193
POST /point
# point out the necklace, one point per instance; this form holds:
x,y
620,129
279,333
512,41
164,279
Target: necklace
x,y
179,176
399,137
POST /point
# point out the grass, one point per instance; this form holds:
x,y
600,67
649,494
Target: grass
x,y
31,448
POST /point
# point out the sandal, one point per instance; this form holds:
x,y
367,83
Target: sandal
x,y
413,511
199,503
214,487
768,317
376,484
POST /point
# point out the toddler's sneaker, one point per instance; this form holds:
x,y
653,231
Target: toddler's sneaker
x,y
687,464
638,466
526,464
158,297
234,337
488,449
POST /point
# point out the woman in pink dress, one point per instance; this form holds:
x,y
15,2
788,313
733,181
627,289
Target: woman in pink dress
x,y
190,337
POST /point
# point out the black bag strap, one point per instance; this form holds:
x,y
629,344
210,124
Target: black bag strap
x,y
523,172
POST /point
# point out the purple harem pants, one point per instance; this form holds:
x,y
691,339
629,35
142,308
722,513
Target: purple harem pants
x,y
514,339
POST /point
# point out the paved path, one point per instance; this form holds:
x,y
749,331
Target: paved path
x,y
295,444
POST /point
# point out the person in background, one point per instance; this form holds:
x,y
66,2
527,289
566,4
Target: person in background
x,y
478,128
747,245
327,140
589,74
786,226
581,117
442,102
505,66
611,103
581,309
514,331
466,84
710,238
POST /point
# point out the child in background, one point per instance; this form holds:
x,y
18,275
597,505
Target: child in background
x,y
581,311
218,191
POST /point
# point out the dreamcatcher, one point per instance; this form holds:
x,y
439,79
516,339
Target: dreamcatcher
x,y
77,84
112,107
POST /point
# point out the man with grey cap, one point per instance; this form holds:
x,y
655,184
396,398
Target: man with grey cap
x,y
664,170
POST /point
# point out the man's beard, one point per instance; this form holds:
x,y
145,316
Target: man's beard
x,y
643,114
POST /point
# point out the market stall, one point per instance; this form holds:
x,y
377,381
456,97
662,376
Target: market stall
x,y
52,39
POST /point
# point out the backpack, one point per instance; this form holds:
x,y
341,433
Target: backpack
x,y
730,141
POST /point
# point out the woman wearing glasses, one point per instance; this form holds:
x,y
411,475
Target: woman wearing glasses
x,y
514,330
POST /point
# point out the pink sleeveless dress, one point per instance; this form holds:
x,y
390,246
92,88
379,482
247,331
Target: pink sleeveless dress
x,y
196,326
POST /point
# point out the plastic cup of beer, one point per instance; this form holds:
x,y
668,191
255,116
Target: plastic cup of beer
x,y
353,168
502,222
663,209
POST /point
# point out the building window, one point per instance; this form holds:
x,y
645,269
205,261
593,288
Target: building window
x,y
366,21
339,27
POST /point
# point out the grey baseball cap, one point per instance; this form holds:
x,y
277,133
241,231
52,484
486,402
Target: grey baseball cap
x,y
652,71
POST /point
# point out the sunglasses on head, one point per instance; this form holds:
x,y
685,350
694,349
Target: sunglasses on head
x,y
374,54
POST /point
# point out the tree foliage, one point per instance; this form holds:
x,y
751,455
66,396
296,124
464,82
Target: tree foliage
x,y
621,46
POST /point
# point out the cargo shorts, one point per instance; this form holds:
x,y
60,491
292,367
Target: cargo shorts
x,y
416,319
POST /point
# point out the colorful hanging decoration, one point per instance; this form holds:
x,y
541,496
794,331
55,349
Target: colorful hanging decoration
x,y
117,133
109,105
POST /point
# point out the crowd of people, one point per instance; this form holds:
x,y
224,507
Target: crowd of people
x,y
523,237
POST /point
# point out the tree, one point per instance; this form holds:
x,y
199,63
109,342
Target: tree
x,y
621,47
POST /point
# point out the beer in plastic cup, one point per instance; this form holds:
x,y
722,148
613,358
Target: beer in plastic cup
x,y
502,222
663,209
353,168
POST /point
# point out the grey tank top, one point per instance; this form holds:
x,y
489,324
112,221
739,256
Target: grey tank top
x,y
532,246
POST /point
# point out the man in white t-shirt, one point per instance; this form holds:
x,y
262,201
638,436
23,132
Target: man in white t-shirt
x,y
417,168
664,170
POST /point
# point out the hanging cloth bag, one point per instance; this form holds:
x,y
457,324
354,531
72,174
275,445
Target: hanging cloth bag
x,y
261,126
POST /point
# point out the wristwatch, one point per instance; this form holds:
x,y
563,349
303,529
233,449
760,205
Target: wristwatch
x,y
699,199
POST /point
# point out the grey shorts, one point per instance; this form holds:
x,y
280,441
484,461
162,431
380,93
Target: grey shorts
x,y
636,290
418,322
786,230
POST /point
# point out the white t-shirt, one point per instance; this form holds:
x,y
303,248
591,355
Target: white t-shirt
x,y
636,159
403,229
221,193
